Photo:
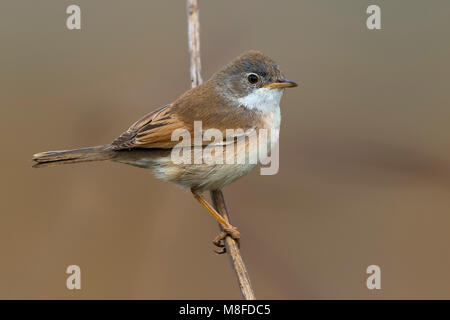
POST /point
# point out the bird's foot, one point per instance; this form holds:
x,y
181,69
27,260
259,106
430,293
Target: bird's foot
x,y
219,241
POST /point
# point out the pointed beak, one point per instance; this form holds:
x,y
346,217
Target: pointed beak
x,y
281,84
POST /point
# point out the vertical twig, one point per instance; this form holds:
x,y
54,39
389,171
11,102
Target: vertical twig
x,y
232,248
217,196
194,42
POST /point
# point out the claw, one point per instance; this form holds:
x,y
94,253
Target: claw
x,y
219,241
221,251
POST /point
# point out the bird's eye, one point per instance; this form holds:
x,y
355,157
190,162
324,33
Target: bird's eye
x,y
253,78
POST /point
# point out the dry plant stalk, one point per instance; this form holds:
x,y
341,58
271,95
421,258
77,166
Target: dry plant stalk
x,y
194,42
217,196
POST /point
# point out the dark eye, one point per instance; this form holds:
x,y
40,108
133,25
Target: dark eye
x,y
253,78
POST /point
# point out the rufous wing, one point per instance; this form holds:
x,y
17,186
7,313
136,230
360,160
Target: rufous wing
x,y
154,130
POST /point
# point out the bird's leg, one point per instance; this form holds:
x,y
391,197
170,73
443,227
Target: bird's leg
x,y
228,229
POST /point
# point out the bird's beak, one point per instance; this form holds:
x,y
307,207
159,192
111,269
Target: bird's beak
x,y
281,84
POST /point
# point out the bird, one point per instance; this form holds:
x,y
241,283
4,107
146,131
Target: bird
x,y
243,96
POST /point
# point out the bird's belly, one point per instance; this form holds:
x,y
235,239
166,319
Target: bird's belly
x,y
212,177
203,176
200,176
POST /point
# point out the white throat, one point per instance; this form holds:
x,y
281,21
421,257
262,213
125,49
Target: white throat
x,y
264,99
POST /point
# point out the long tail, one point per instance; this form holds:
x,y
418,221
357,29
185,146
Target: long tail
x,y
53,158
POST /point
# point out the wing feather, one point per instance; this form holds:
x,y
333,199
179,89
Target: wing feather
x,y
154,130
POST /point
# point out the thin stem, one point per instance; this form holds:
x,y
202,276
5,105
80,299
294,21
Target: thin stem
x,y
217,196
232,248
194,42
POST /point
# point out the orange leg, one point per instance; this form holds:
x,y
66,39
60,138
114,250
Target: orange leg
x,y
228,229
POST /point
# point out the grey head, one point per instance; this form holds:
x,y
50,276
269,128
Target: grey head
x,y
249,72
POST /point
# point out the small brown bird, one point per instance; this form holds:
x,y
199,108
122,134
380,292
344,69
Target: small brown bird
x,y
245,94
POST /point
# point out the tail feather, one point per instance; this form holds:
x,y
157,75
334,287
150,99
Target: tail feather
x,y
53,158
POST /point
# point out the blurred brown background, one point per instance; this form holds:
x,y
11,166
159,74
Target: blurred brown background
x,y
365,151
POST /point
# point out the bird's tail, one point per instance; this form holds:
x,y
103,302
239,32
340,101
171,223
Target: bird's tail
x,y
53,158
